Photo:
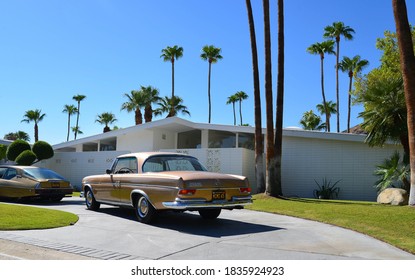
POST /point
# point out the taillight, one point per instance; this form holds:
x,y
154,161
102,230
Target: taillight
x,y
245,190
187,192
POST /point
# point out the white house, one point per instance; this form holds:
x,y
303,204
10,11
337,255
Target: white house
x,y
308,156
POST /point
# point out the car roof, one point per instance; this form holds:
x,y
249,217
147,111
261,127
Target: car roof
x,y
144,155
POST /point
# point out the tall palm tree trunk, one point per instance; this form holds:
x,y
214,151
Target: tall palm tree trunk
x,y
349,101
259,144
337,82
323,93
77,120
172,87
210,105
234,113
406,52
69,127
36,132
270,156
277,190
240,110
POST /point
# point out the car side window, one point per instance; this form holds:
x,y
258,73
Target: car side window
x,y
10,173
2,171
126,165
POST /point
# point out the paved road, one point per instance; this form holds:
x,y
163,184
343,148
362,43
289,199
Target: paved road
x,y
113,233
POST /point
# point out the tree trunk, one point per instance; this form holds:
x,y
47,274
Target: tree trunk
x,y
406,52
138,117
210,105
172,86
277,191
337,82
259,143
234,114
240,110
148,113
270,156
349,103
36,132
69,127
77,119
323,94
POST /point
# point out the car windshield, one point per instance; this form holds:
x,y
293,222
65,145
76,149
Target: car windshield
x,y
42,173
172,163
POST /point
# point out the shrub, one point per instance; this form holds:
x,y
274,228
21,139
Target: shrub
x,y
26,158
42,150
393,173
326,189
16,148
3,149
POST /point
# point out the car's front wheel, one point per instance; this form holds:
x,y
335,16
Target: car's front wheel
x,y
91,203
210,214
144,211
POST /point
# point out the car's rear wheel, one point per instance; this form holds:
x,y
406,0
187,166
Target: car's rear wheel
x,y
210,214
91,203
144,211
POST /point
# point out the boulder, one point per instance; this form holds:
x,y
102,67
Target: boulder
x,y
393,196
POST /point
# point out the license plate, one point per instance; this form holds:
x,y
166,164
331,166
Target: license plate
x,y
218,195
55,185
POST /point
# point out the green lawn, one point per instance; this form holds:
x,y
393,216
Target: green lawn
x,y
392,224
20,217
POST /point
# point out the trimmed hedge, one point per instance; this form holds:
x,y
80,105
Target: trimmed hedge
x,y
26,158
42,150
16,148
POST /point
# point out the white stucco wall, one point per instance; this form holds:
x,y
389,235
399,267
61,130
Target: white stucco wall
x,y
307,159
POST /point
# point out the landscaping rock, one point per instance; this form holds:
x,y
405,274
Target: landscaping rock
x,y
393,196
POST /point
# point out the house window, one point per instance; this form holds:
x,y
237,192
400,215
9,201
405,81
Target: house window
x,y
221,139
189,139
246,140
108,144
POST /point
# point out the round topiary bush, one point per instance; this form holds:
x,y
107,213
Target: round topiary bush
x,y
43,150
26,158
3,149
16,148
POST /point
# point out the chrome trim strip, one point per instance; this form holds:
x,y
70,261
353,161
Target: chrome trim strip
x,y
184,204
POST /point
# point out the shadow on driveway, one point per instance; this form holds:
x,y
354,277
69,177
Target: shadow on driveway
x,y
192,223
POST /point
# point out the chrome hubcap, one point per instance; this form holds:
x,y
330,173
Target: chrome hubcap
x,y
142,207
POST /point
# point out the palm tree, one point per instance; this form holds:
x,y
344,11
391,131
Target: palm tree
x,y
353,66
211,54
106,119
241,95
310,121
259,143
171,54
136,100
271,177
169,105
335,31
70,110
384,117
78,98
20,135
76,129
34,116
321,49
327,110
151,96
232,100
407,58
277,188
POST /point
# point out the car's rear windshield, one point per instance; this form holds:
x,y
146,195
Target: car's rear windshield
x,y
172,163
42,173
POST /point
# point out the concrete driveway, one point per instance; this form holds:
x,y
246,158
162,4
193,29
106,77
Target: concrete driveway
x,y
113,233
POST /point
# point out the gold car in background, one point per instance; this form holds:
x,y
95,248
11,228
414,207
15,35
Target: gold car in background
x,y
32,182
152,182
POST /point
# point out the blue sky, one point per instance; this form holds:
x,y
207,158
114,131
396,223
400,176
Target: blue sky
x,y
53,50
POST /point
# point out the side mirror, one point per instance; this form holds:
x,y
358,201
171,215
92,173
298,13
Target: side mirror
x,y
108,171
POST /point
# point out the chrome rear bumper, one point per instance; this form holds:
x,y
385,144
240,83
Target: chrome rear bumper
x,y
194,204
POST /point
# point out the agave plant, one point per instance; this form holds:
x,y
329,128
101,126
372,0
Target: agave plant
x,y
326,190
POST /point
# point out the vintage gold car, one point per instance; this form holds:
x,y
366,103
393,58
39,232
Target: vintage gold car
x,y
153,182
32,182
